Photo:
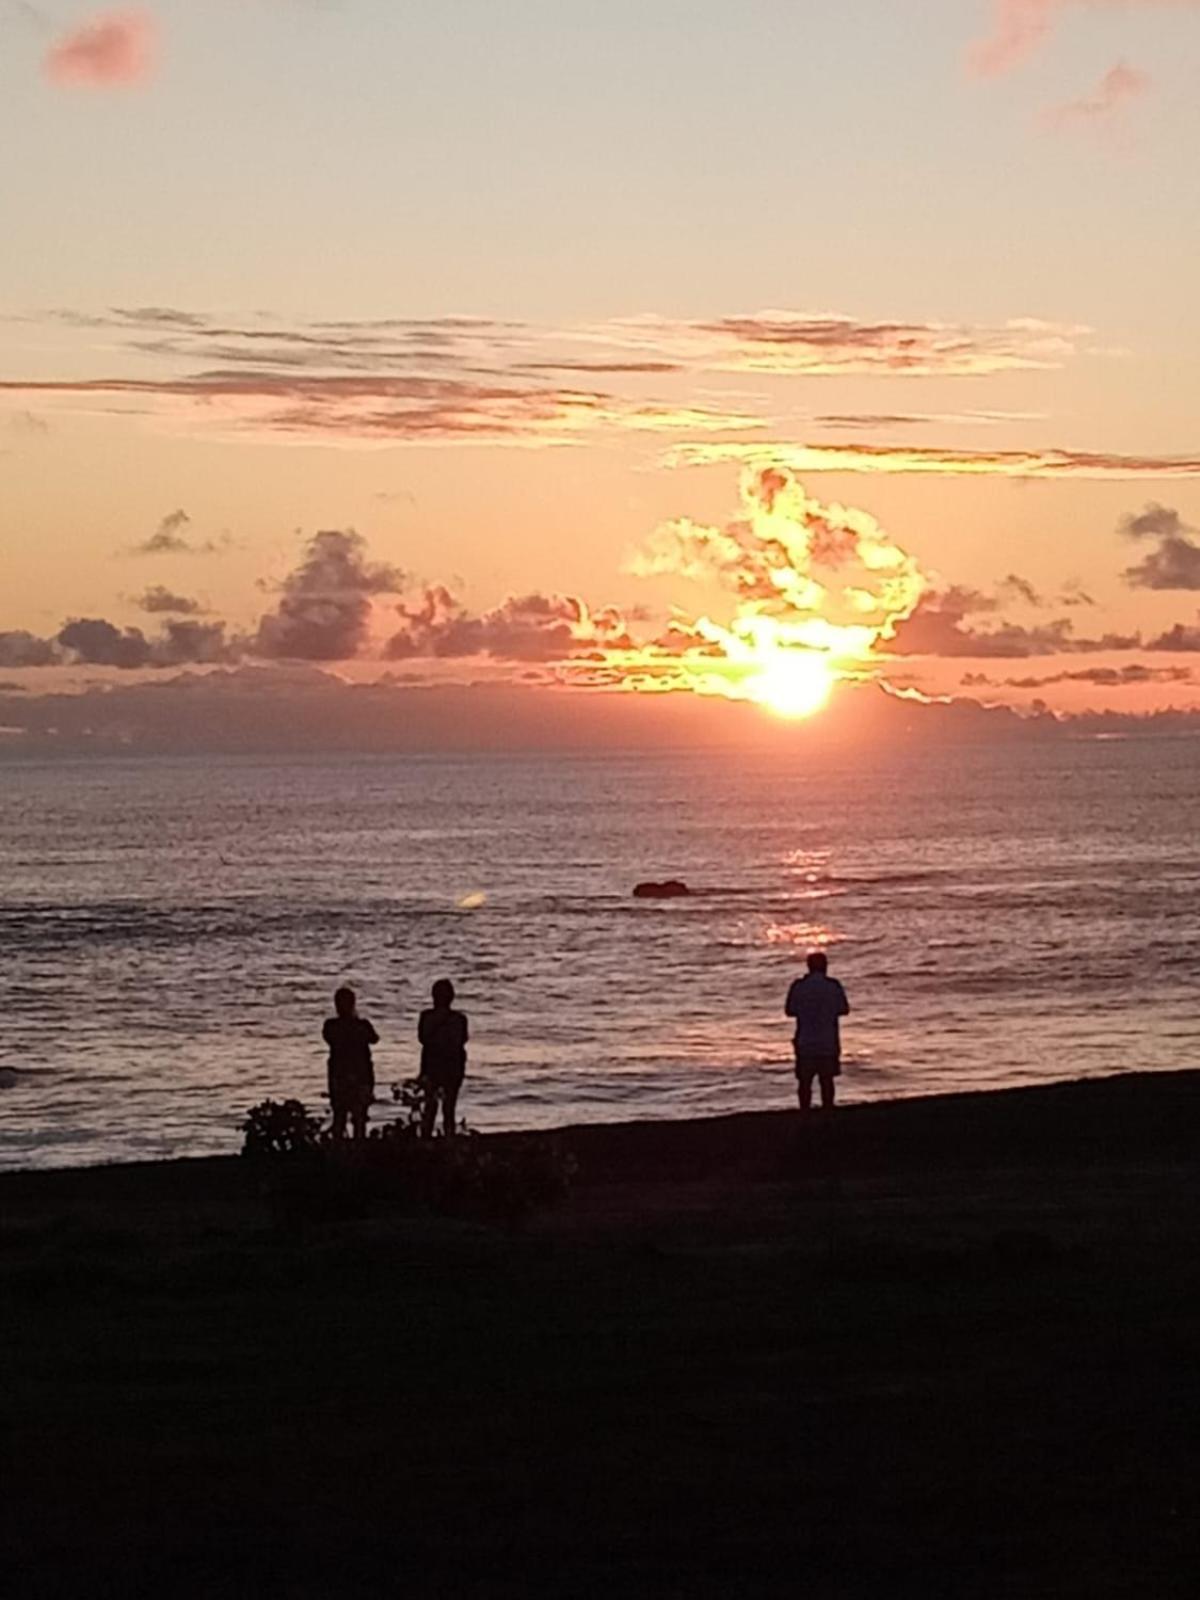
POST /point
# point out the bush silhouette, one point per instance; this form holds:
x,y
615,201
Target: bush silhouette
x,y
281,1128
498,1179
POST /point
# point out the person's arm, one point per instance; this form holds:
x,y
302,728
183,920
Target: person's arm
x,y
791,1006
372,1036
326,1027
422,1028
466,1032
843,1003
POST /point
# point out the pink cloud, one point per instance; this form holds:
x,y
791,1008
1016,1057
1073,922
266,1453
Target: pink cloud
x,y
1118,85
1022,26
110,50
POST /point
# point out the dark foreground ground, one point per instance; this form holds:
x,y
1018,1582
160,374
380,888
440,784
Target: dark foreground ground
x,y
940,1347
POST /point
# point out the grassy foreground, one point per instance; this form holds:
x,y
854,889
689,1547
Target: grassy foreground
x,y
935,1347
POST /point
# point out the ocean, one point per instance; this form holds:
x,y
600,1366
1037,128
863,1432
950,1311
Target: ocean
x,y
171,930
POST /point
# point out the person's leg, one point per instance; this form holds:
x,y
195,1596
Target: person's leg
x,y
358,1120
339,1121
804,1090
450,1109
828,1091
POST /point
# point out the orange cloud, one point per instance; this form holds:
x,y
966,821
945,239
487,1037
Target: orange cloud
x,y
816,589
111,51
534,627
887,458
829,346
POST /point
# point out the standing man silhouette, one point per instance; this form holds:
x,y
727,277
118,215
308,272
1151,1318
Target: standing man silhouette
x,y
817,1001
351,1070
442,1034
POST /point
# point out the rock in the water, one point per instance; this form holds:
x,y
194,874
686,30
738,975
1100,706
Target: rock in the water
x,y
672,889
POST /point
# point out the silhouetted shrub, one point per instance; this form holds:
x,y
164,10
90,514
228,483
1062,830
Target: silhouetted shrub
x,y
498,1179
281,1128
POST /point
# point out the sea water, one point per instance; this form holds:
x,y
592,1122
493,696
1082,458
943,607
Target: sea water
x,y
171,930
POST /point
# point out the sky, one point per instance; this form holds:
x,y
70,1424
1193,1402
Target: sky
x,y
536,361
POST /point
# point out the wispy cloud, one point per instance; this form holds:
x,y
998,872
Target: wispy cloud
x,y
112,50
828,346
463,379
1119,85
1021,27
894,458
171,538
1133,675
157,600
872,421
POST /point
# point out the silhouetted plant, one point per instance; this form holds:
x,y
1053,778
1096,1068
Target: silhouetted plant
x,y
281,1128
412,1096
501,1179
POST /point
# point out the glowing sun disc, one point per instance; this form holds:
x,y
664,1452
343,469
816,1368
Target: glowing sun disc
x,y
795,685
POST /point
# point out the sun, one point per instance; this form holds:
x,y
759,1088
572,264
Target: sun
x,y
795,684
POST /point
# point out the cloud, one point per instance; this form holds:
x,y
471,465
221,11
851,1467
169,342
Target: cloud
x,y
531,628
157,600
99,643
1021,589
891,458
170,539
96,642
945,623
942,625
774,340
202,643
1129,676
464,379
113,50
1119,85
872,420
1180,637
324,609
814,590
827,346
274,709
21,649
384,409
1175,561
1021,27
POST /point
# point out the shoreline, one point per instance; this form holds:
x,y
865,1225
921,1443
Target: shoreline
x,y
1053,1119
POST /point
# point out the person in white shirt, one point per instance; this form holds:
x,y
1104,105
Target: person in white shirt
x,y
817,1002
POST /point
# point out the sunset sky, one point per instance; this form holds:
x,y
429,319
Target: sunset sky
x,y
565,349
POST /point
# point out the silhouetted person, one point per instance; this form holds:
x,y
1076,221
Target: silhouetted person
x,y
351,1070
442,1034
817,1001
